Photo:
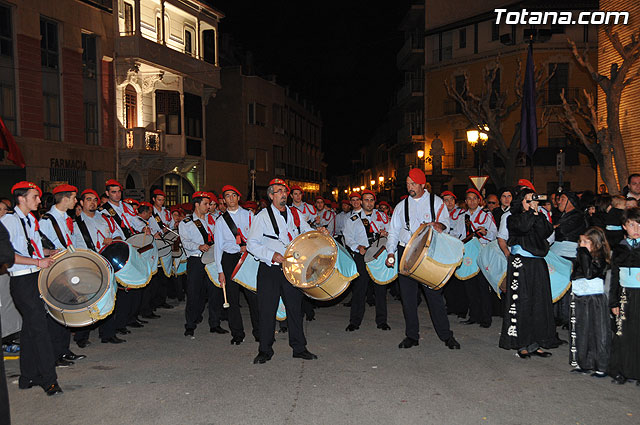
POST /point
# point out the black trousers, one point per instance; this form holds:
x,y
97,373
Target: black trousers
x,y
359,293
60,337
162,289
37,360
199,289
271,286
479,294
150,292
125,301
455,296
409,291
229,262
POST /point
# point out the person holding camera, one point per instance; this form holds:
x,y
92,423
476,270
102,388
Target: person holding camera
x,y
528,321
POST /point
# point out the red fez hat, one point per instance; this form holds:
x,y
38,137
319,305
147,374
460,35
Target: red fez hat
x,y
90,192
355,195
186,206
132,202
201,194
26,185
526,183
384,203
320,198
280,182
369,192
159,192
475,192
296,187
448,193
64,188
250,204
345,201
231,188
146,204
334,204
417,175
212,197
174,208
113,182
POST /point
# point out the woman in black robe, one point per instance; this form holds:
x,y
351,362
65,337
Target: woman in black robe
x,y
528,323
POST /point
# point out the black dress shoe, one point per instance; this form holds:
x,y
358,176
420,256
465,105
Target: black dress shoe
x,y
113,340
188,332
218,330
284,330
141,322
384,327
53,389
83,343
236,340
581,371
124,331
619,380
262,358
468,322
541,353
25,384
73,356
63,363
522,355
485,325
165,305
305,355
352,327
347,304
151,316
135,325
311,318
408,343
452,344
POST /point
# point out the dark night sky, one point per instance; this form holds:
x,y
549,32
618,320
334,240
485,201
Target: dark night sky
x,y
338,54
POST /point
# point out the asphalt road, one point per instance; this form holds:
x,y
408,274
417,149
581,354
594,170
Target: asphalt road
x,y
161,377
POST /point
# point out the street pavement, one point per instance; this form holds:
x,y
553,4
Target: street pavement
x,y
161,377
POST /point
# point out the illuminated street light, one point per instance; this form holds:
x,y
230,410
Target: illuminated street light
x,y
373,182
362,187
381,179
420,153
472,136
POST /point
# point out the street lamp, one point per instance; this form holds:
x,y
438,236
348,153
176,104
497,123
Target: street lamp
x,y
362,187
373,183
477,137
420,153
381,179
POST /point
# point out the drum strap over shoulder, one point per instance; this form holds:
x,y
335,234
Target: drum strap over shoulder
x,y
274,223
158,219
118,220
56,228
406,210
203,232
85,233
232,226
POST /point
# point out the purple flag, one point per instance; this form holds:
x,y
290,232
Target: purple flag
x,y
528,123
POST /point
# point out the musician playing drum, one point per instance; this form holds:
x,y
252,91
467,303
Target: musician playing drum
x,y
423,207
272,230
197,235
365,225
232,229
165,221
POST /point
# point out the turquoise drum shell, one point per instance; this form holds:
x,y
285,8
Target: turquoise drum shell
x,y
469,266
138,270
493,265
379,272
559,274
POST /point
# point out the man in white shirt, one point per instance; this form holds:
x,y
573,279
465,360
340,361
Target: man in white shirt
x,y
307,211
341,219
324,216
421,210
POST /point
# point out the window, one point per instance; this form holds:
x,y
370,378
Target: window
x,y
89,56
91,123
462,38
495,32
128,19
130,107
557,137
209,46
257,114
557,29
495,90
158,30
188,44
51,116
559,81
193,123
8,106
447,45
49,43
168,111
278,157
6,32
277,118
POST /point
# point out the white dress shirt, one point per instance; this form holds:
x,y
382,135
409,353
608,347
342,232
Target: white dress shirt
x,y
307,211
100,227
328,220
480,218
46,227
355,233
164,215
16,234
190,235
225,241
456,218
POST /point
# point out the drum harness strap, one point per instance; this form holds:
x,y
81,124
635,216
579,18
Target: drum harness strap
x,y
85,233
158,219
296,221
56,228
206,237
125,229
406,210
234,229
31,245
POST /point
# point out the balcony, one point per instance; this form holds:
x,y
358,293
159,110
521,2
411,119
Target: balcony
x,y
139,139
412,52
411,93
138,48
410,133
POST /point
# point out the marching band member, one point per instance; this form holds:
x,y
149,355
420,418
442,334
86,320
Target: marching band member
x,y
341,219
37,359
365,225
272,230
506,196
95,231
164,219
197,236
480,224
213,206
454,292
117,209
307,211
57,228
420,207
232,229
324,216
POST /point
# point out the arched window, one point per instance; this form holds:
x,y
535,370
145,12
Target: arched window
x,y
130,107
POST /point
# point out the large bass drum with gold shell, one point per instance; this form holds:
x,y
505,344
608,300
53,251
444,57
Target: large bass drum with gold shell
x,y
431,257
320,267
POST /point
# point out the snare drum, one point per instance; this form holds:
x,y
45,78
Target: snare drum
x,y
315,263
130,268
493,265
208,257
375,259
559,274
469,266
79,288
431,257
147,248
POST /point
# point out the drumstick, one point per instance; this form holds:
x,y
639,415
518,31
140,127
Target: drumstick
x,y
224,292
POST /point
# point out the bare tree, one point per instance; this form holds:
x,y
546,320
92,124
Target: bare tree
x,y
480,110
605,141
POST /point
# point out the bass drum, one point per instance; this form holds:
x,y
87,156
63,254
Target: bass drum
x,y
79,288
130,268
315,263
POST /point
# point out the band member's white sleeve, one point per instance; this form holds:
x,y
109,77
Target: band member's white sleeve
x,y
255,239
395,226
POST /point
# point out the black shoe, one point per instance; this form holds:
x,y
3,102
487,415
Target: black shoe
x,y
600,374
140,321
371,303
71,356
25,384
580,370
165,305
347,304
188,332
133,325
539,353
124,331
262,358
151,316
63,363
306,355
384,327
408,343
113,340
619,380
53,389
83,343
284,330
218,330
468,322
352,328
236,340
452,344
311,318
485,325
523,355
